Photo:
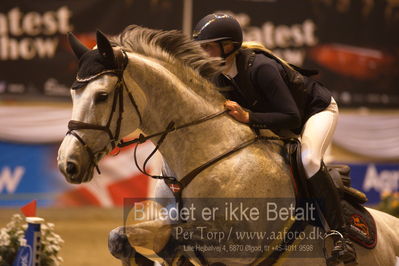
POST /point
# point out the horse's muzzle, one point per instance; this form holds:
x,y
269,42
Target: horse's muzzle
x,y
75,174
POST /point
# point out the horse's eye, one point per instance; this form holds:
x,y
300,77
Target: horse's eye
x,y
101,97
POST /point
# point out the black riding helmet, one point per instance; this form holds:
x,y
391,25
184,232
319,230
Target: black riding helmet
x,y
217,28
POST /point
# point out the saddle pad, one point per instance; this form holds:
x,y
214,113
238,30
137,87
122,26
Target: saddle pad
x,y
361,226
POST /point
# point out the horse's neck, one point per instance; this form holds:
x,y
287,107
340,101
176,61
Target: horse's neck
x,y
167,98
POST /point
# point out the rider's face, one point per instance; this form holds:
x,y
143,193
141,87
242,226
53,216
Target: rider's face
x,y
212,49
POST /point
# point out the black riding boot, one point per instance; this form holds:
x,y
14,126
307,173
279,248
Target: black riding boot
x,y
327,197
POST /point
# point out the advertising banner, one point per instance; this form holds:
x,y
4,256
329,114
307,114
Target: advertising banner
x,y
35,58
354,44
375,180
30,172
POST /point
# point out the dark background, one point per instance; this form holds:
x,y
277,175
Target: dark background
x,y
357,49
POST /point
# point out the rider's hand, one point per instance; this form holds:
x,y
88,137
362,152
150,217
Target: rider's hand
x,y
237,112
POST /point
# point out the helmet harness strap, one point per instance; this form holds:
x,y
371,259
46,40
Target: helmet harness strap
x,y
223,54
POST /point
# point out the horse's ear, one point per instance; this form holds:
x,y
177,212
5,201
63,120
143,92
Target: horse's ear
x,y
77,47
104,47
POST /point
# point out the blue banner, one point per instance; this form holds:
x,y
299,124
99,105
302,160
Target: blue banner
x,y
375,179
29,172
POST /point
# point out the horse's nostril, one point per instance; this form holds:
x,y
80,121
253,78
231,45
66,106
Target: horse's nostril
x,y
71,168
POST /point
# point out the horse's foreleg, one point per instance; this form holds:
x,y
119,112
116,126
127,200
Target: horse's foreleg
x,y
148,238
120,248
118,244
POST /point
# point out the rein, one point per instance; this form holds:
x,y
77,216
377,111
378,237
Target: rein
x,y
175,185
141,139
73,125
170,128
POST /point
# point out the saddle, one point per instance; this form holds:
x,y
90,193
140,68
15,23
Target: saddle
x,y
359,224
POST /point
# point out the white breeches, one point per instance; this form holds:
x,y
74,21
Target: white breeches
x,y
316,136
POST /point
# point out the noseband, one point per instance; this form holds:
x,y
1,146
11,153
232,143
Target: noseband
x,y
73,125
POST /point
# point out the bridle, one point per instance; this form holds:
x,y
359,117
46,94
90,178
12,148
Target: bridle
x,y
73,125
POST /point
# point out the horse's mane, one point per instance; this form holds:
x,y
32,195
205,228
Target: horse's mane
x,y
168,46
180,53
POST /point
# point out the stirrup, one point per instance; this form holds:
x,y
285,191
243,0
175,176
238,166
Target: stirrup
x,y
343,250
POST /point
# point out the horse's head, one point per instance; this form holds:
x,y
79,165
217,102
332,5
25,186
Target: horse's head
x,y
97,123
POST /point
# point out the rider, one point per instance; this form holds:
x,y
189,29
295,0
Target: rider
x,y
265,92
